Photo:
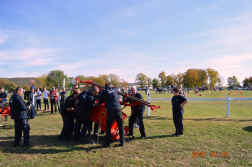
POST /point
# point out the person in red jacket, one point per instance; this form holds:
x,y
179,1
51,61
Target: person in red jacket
x,y
53,99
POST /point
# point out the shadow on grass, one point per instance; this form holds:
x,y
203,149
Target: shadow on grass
x,y
7,127
49,145
157,118
216,119
248,128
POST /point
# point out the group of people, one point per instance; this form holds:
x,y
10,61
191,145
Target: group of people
x,y
78,106
56,97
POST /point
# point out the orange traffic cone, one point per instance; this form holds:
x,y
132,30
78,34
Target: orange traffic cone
x,y
242,96
220,97
197,94
236,94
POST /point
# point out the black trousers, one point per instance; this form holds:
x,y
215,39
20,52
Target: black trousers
x,y
137,115
38,102
53,102
117,115
46,104
178,122
81,120
68,126
21,125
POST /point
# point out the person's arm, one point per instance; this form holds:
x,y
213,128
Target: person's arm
x,y
70,109
6,96
69,104
182,104
21,105
90,105
84,87
102,98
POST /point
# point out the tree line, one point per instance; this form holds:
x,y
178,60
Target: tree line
x,y
55,78
190,78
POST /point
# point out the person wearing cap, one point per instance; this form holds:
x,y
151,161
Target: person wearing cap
x,y
53,99
18,112
4,97
110,97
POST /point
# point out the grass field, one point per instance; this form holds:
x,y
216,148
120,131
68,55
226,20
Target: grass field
x,y
207,130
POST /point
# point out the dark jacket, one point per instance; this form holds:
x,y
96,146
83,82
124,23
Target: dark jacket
x,y
69,103
110,96
18,107
140,107
85,103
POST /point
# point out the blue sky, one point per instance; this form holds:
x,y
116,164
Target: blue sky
x,y
125,37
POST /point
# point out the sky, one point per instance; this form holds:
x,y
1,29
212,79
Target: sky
x,y
83,37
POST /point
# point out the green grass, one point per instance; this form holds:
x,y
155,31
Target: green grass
x,y
206,130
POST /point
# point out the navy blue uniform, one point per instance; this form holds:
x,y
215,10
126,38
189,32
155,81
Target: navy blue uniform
x,y
68,118
138,112
110,97
18,112
178,112
86,103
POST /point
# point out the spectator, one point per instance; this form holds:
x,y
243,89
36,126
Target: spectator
x,y
181,91
46,94
53,99
38,99
32,87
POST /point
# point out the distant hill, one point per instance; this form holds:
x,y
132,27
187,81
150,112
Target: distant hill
x,y
22,81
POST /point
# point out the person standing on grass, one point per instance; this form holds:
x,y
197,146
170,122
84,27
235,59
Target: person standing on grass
x,y
58,99
86,103
177,103
62,99
181,91
137,113
45,98
18,112
68,115
32,87
38,99
53,99
110,97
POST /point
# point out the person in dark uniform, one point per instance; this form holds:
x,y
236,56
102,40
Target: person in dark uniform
x,y
137,112
177,103
68,115
110,97
86,103
62,99
18,112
